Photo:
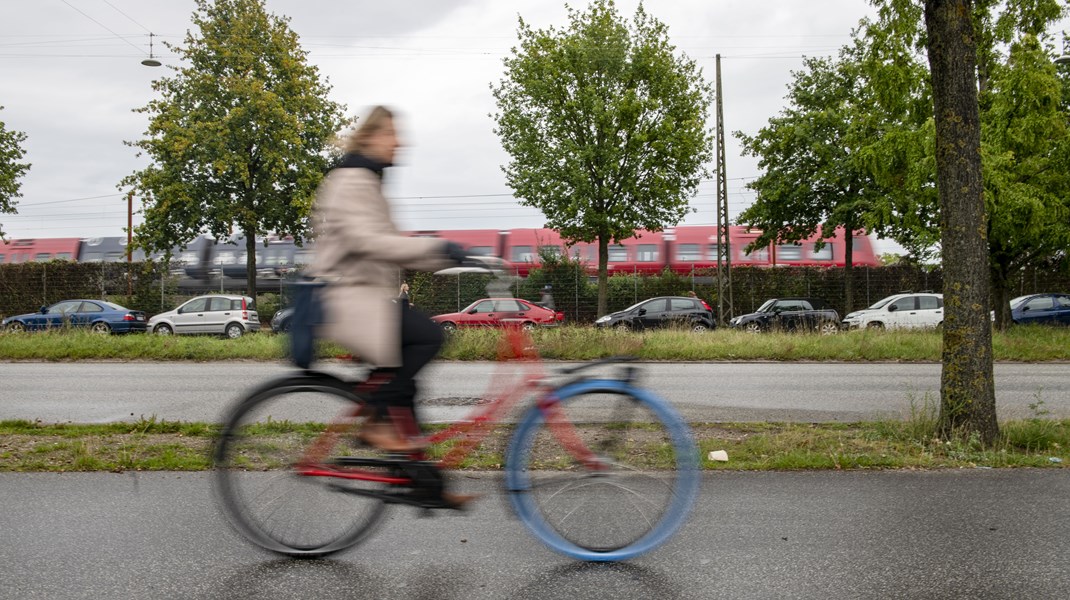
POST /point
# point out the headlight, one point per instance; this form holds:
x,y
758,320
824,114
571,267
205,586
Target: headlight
x,y
604,319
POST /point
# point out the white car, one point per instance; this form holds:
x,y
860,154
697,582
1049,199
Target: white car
x,y
901,311
216,314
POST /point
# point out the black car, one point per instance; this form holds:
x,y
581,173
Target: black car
x,y
665,311
281,321
790,314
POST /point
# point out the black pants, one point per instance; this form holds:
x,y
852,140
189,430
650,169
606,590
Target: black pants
x,y
421,339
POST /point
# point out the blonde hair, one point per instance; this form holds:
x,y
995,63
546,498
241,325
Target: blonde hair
x,y
357,142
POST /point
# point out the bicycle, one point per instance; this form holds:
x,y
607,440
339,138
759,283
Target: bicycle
x,y
597,469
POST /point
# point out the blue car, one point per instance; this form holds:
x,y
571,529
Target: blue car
x,y
97,315
1049,309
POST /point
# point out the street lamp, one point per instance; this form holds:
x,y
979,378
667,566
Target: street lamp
x,y
1064,58
150,61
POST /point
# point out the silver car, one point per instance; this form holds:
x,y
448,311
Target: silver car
x,y
217,314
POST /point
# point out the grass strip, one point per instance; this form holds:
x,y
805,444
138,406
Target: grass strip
x,y
573,343
151,445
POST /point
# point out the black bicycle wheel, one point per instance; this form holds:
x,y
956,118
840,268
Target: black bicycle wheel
x,y
261,489
628,500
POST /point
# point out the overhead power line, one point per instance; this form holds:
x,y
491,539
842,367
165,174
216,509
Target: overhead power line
x,y
102,25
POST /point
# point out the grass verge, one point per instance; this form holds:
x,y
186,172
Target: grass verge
x,y
151,445
1021,344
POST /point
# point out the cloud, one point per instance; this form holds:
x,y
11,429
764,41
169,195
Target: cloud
x,y
71,86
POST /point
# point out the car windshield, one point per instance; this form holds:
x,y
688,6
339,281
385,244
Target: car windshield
x,y
767,306
881,303
1016,302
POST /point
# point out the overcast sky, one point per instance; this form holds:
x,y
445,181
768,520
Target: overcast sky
x,y
70,73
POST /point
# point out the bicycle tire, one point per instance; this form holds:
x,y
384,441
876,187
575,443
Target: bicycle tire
x,y
263,496
614,513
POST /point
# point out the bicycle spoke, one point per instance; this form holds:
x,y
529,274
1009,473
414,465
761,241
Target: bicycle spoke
x,y
601,474
265,498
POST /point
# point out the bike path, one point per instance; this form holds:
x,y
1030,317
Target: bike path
x,y
973,533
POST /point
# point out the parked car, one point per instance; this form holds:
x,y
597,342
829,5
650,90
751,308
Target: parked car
x,y
97,315
217,314
1053,309
280,323
664,311
790,314
901,311
496,312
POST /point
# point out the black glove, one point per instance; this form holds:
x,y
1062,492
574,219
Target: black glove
x,y
456,252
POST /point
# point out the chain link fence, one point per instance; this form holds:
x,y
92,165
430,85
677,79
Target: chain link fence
x,y
155,287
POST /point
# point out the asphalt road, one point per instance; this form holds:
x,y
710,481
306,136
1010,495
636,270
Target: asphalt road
x,y
974,534
810,392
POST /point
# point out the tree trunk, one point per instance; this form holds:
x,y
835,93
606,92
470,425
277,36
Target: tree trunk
x,y
1001,297
250,262
967,395
603,274
848,269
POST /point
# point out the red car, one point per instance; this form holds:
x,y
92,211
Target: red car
x,y
496,312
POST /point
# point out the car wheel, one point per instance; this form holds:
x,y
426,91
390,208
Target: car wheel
x,y
162,329
101,328
699,328
875,325
449,327
16,327
622,326
752,327
828,328
234,331
528,326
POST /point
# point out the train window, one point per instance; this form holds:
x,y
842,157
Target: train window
x,y
522,254
225,258
759,255
114,256
618,253
711,251
188,258
303,258
788,252
647,253
825,253
63,255
688,252
41,256
481,251
553,251
1,258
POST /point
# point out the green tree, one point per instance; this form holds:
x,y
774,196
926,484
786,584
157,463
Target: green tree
x,y
11,170
605,125
1026,144
967,391
239,136
810,181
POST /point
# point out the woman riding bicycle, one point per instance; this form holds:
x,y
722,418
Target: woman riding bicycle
x,y
359,251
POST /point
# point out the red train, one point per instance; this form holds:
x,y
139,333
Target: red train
x,y
683,249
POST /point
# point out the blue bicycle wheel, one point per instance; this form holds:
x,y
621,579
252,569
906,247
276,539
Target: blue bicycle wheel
x,y
630,499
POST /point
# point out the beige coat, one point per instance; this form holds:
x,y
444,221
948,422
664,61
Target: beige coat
x,y
359,252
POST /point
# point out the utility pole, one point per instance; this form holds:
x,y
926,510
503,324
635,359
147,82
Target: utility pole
x,y
724,250
129,244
